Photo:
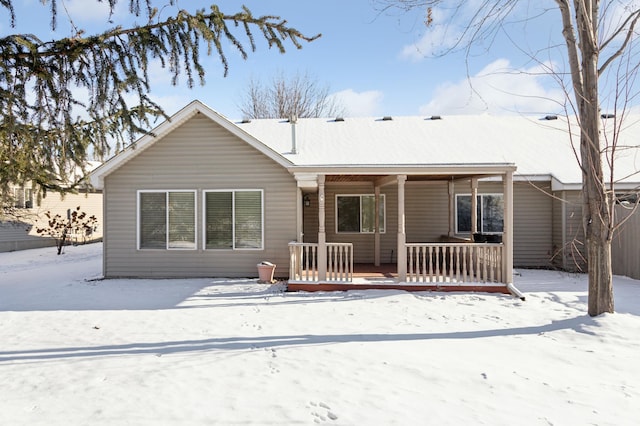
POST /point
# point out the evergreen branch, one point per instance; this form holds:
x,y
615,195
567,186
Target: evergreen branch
x,y
44,86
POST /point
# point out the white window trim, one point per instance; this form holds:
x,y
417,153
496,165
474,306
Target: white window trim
x,y
233,209
167,191
480,195
384,213
21,201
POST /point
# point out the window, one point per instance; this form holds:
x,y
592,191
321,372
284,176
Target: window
x,y
356,213
490,208
167,220
23,198
233,220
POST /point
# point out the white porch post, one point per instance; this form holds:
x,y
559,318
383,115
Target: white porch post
x,y
322,236
402,238
474,206
452,209
507,236
376,241
299,216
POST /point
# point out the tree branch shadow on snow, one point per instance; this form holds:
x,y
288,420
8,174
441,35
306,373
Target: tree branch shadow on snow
x,y
579,324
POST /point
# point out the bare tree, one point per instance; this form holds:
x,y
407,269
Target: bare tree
x,y
284,97
596,34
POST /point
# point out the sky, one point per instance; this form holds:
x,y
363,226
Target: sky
x,y
79,350
373,62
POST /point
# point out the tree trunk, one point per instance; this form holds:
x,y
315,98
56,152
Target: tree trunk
x,y
600,277
62,240
596,214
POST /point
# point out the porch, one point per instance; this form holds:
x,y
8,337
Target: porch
x,y
449,262
467,267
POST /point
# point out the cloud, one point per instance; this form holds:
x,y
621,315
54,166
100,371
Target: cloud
x,y
437,39
499,89
462,24
432,43
359,104
91,11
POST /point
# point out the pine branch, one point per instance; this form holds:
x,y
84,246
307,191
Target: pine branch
x,y
54,83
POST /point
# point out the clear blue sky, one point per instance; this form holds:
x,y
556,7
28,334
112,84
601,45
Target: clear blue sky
x,y
376,63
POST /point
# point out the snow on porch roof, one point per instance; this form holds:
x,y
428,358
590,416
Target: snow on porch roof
x,y
536,145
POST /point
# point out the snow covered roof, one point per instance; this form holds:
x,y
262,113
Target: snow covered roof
x,y
536,145
539,147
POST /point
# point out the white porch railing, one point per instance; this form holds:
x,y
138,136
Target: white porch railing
x,y
454,262
426,262
304,262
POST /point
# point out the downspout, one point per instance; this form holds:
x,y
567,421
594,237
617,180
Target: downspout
x,y
515,292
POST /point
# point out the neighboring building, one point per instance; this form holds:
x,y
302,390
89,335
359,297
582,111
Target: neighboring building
x,y
18,232
208,197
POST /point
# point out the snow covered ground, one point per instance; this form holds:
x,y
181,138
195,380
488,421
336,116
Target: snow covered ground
x,y
77,351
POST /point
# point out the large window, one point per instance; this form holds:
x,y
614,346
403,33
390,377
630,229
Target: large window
x,y
490,208
233,219
356,213
167,220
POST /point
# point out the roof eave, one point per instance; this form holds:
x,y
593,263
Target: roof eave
x,y
399,169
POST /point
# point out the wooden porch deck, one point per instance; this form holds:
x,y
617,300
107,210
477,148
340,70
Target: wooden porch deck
x,y
384,277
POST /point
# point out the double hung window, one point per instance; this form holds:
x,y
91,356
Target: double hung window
x,y
233,219
167,220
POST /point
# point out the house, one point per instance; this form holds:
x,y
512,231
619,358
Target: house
x,y
448,203
18,231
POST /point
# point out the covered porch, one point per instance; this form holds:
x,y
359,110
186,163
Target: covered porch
x,y
326,257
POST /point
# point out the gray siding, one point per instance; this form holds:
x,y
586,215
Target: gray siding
x,y
568,245
198,155
427,219
532,224
557,206
626,244
625,247
426,211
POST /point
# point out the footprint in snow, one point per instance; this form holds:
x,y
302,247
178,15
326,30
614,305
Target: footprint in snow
x,y
319,416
